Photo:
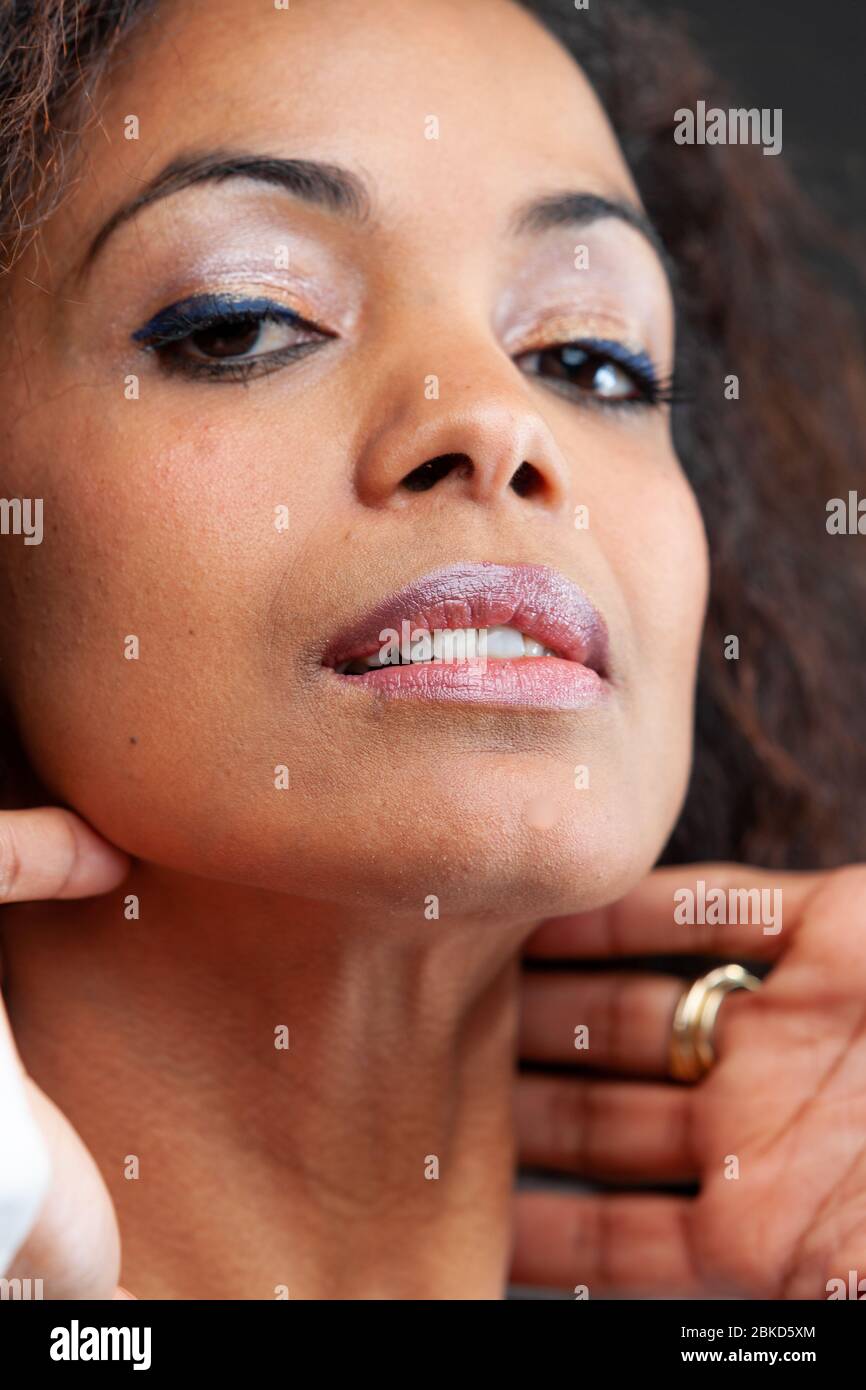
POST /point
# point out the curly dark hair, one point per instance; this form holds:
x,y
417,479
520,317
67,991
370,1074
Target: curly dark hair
x,y
780,738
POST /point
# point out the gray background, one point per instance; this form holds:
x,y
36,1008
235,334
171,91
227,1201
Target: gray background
x,y
807,57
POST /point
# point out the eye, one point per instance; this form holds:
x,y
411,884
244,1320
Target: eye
x,y
601,371
216,336
240,337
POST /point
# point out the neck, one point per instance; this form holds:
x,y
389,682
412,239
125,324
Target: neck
x,y
320,1101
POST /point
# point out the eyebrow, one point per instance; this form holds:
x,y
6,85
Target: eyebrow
x,y
339,190
324,185
579,210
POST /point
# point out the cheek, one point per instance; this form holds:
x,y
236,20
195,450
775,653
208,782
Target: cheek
x,y
666,580
666,585
134,633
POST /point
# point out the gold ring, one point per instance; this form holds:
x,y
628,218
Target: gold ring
x,y
691,1051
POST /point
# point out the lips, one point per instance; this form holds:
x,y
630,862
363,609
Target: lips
x,y
538,602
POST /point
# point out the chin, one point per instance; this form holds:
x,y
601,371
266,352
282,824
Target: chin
x,y
520,858
501,835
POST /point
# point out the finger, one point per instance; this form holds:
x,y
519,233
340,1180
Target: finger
x,y
758,910
51,853
618,1131
618,1020
609,1242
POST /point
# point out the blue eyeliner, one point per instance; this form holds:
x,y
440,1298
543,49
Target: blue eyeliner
x,y
165,333
194,315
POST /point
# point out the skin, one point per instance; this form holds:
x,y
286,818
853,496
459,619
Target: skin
x,y
305,908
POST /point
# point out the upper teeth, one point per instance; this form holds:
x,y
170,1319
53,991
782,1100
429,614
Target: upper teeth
x,y
455,644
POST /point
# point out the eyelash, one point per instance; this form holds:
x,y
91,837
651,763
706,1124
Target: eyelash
x,y
653,389
165,334
169,329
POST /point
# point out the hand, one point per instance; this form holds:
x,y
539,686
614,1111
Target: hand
x,y
57,1220
784,1105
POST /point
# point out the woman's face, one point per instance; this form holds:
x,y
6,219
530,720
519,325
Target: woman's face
x,y
231,490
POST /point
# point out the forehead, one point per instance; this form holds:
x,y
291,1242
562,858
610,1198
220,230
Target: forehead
x,y
452,103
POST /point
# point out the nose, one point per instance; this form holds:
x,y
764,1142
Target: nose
x,y
476,432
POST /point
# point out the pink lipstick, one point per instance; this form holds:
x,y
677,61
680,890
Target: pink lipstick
x,y
511,635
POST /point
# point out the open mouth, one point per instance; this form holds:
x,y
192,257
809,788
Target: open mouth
x,y
500,643
512,634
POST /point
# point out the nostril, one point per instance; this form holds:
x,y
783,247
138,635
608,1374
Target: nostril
x,y
527,481
428,474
